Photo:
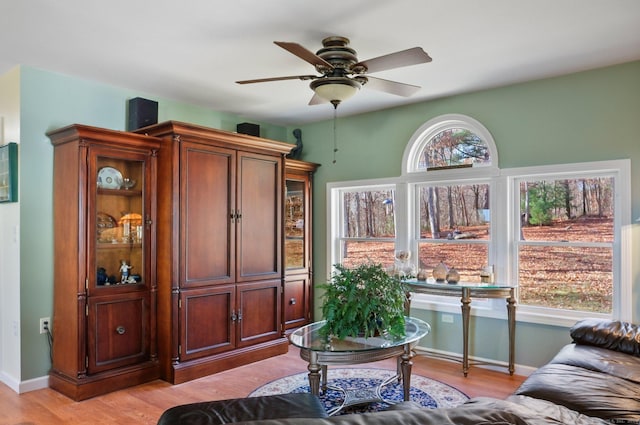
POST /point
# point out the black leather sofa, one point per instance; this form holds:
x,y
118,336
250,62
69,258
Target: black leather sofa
x,y
593,380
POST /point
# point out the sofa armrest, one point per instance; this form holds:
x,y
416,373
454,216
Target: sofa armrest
x,y
611,334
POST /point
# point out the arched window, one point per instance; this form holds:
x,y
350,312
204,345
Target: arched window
x,y
449,142
556,231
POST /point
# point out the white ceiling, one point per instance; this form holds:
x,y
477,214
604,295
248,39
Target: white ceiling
x,y
194,51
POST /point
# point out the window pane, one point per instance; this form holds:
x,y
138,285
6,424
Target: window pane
x,y
571,278
574,210
368,214
359,252
467,258
454,212
454,147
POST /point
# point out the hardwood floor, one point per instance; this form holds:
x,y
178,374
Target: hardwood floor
x,y
145,403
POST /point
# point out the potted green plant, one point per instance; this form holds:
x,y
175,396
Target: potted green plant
x,y
363,301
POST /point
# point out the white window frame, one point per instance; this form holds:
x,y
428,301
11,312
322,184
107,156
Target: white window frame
x,y
335,215
504,208
443,303
484,173
620,170
423,135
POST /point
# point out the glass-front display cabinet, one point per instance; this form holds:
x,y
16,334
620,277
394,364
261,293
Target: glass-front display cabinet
x,y
104,208
298,290
122,219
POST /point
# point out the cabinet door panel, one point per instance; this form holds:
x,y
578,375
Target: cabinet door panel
x,y
117,331
260,228
296,301
207,202
259,304
206,321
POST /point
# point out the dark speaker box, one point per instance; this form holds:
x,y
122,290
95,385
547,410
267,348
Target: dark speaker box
x,y
249,128
142,112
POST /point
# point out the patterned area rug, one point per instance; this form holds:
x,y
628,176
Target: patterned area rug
x,y
425,391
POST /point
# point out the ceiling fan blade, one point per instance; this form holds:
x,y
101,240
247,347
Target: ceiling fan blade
x,y
399,59
393,87
304,54
266,80
317,100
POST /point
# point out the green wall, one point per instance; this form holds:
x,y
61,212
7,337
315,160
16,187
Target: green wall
x,y
589,116
582,117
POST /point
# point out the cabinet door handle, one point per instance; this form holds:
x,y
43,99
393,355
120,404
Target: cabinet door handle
x,y
239,315
235,216
233,316
120,330
292,301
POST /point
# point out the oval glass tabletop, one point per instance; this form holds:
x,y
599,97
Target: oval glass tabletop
x,y
453,286
310,337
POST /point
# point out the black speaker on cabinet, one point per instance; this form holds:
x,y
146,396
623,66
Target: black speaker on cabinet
x,y
248,128
142,112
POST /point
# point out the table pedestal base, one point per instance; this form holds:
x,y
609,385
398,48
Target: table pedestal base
x,y
318,371
357,396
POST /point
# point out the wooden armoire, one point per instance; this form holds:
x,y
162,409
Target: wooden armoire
x,y
220,261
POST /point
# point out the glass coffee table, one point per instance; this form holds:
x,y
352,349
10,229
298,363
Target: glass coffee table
x,y
321,352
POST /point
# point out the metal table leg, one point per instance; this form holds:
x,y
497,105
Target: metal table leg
x,y
314,373
511,318
466,309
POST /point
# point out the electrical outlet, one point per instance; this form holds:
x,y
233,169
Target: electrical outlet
x,y
45,323
447,318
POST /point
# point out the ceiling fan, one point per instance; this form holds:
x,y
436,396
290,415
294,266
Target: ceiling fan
x,y
342,75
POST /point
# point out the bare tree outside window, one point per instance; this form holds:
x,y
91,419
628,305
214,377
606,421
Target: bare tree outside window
x,y
565,252
368,233
454,147
454,228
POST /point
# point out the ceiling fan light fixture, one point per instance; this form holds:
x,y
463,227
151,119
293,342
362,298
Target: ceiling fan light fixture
x,y
335,90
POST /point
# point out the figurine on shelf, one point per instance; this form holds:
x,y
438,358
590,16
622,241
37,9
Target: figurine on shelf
x,y
124,272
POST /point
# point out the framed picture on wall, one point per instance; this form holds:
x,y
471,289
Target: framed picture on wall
x,y
9,173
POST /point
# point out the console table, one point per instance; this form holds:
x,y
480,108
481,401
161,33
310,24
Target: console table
x,y
467,291
321,351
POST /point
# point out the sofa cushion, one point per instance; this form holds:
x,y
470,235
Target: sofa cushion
x,y
611,334
600,359
589,392
455,416
479,411
219,412
538,411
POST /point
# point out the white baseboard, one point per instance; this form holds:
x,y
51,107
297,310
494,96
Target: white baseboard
x,y
34,384
24,386
10,382
476,361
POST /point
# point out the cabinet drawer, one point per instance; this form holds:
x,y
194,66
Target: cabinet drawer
x,y
118,330
296,301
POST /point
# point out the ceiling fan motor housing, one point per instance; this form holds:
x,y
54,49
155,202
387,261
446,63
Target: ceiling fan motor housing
x,y
336,51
